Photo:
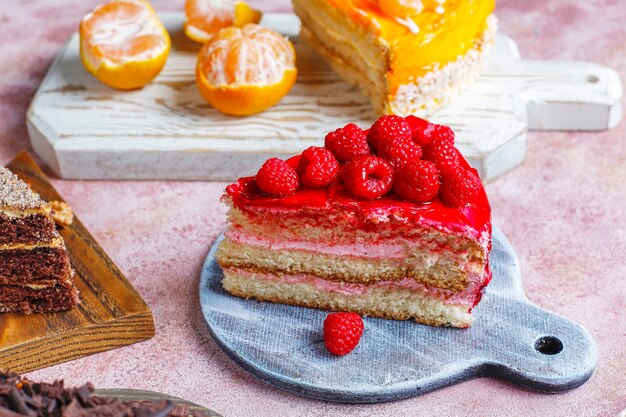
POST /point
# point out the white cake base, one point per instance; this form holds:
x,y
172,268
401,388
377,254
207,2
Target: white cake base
x,y
86,130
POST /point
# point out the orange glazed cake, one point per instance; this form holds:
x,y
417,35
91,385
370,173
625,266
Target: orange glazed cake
x,y
407,56
391,222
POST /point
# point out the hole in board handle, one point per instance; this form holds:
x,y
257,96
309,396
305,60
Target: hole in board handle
x,y
592,79
548,345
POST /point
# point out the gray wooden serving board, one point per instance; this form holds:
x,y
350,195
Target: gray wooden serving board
x,y
86,130
283,345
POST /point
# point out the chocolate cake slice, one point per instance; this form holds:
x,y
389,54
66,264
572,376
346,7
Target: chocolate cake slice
x,y
35,271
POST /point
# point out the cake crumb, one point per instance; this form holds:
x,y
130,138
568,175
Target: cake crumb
x,y
62,213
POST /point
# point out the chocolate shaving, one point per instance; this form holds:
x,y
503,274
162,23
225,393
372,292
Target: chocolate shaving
x,y
22,398
5,412
151,412
181,410
82,394
16,401
52,405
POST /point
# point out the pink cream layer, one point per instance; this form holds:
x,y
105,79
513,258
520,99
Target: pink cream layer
x,y
397,249
370,250
469,297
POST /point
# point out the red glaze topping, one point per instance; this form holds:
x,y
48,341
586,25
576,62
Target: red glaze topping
x,y
473,219
465,210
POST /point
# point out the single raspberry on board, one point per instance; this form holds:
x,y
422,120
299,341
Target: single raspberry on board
x,y
388,127
368,177
417,181
277,178
442,152
459,186
342,332
317,167
399,151
347,143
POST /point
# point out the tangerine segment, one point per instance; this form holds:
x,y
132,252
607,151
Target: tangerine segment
x,y
123,43
242,71
245,14
206,17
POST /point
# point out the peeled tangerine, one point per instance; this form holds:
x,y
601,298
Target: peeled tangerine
x,y
206,17
123,43
243,71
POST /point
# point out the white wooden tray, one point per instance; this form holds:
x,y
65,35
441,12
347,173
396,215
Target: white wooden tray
x,y
86,130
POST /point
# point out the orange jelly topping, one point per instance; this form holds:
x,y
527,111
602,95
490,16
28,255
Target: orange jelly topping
x,y
442,32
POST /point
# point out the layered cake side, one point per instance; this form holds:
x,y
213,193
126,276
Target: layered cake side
x,y
35,271
409,250
408,57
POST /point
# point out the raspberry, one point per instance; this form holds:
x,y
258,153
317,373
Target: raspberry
x,y
347,143
431,132
317,167
368,177
417,181
459,186
342,332
398,151
388,127
294,161
442,152
416,124
277,178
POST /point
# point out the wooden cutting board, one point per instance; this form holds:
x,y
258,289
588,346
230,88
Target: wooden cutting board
x,y
111,314
84,129
511,339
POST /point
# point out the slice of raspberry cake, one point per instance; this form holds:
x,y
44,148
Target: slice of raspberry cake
x,y
390,222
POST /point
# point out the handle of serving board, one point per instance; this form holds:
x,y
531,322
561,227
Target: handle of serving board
x,y
549,353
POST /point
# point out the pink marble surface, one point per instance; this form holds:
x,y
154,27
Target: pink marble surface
x,y
564,211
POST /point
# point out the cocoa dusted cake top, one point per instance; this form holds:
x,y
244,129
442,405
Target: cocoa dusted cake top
x,y
20,397
15,193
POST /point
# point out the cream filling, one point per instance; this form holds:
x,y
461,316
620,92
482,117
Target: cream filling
x,y
54,243
464,298
43,284
40,285
13,213
398,248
